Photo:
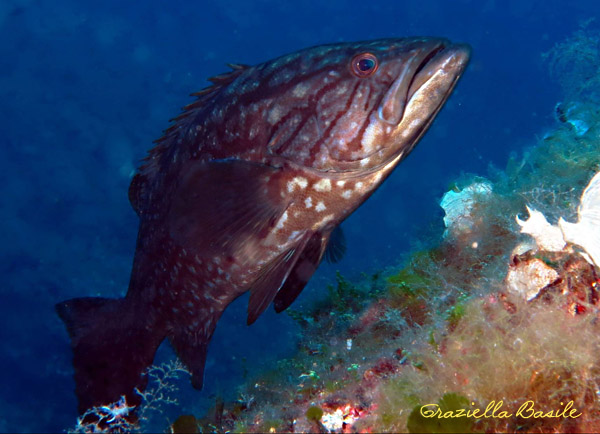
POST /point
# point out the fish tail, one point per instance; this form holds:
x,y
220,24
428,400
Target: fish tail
x,y
112,346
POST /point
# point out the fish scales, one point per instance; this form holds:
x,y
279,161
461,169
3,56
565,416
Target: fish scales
x,y
246,191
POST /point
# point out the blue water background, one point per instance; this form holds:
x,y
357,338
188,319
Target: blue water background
x,y
86,86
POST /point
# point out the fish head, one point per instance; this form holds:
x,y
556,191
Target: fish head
x,y
358,107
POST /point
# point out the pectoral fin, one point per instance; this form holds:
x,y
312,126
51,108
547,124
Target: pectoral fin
x,y
222,205
336,248
272,278
303,270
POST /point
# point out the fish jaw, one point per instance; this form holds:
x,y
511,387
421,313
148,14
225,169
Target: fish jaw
x,y
408,109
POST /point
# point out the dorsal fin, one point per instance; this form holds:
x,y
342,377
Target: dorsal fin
x,y
151,164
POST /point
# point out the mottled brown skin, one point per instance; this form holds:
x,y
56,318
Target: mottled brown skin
x,y
244,191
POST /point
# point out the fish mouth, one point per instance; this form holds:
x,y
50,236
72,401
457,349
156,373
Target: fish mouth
x,y
433,70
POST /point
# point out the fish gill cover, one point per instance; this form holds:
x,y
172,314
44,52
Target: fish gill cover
x,y
86,87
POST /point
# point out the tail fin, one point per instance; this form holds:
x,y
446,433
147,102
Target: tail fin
x,y
112,346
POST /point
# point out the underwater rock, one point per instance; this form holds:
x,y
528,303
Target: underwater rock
x,y
459,205
561,279
529,277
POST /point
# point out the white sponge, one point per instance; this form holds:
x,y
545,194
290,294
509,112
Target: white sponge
x,y
586,232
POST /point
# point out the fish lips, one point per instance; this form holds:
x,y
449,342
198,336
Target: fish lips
x,y
437,67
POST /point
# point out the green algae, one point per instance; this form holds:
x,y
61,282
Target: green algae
x,y
314,413
185,424
575,63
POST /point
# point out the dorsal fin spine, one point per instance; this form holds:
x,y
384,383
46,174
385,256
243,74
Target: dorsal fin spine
x,y
152,162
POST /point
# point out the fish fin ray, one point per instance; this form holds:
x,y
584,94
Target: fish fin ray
x,y
224,205
111,349
272,278
303,270
336,248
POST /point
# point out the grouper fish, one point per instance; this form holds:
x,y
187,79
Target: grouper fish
x,y
245,191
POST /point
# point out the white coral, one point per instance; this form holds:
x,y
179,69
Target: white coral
x,y
547,236
458,206
585,233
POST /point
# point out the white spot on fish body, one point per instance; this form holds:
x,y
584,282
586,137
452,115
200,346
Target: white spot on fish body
x,y
308,202
300,90
320,207
342,89
282,220
323,222
346,194
358,186
340,183
299,181
370,135
274,115
323,185
364,161
253,133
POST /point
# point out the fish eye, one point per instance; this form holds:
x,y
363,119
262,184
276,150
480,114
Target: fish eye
x,y
364,65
